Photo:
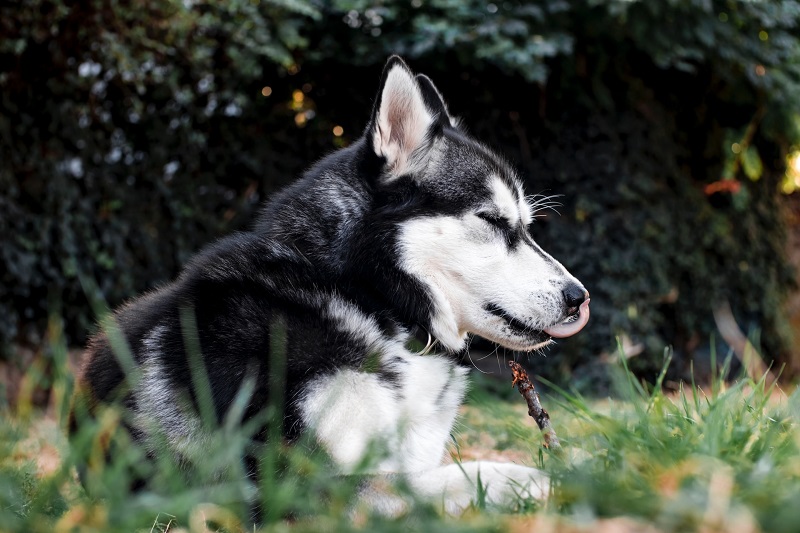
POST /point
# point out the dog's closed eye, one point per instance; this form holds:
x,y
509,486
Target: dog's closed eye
x,y
494,219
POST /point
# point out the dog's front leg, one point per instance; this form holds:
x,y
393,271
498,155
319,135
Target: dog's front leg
x,y
455,486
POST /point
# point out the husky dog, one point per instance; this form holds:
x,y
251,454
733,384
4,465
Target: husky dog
x,y
415,226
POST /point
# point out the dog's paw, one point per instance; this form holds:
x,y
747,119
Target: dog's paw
x,y
456,487
505,484
496,485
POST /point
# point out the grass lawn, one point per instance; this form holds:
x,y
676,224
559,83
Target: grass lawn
x,y
723,458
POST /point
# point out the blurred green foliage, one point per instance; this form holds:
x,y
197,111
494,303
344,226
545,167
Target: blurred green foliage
x,y
130,136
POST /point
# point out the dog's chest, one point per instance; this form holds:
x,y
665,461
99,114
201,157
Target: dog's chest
x,y
401,416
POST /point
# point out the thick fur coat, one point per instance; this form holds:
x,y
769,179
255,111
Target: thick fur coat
x,y
414,227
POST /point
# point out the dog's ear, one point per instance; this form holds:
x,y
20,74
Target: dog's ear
x,y
405,118
434,101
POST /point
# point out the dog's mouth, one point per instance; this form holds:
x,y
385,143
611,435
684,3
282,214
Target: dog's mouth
x,y
571,325
519,336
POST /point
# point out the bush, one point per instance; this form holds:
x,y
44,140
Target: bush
x,y
132,136
129,138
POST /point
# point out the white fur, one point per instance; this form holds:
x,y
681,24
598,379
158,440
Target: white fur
x,y
525,210
356,323
160,412
504,202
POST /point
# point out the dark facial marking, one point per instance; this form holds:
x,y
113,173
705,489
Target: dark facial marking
x,y
514,324
536,248
511,235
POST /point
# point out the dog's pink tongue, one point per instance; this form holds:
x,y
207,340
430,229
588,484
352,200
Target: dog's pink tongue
x,y
559,331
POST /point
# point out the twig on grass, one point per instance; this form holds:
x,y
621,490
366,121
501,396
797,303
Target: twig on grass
x,y
744,350
535,409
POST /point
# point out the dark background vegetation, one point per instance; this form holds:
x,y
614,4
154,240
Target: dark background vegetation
x,y
132,134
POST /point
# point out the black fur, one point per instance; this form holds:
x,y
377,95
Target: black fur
x,y
302,249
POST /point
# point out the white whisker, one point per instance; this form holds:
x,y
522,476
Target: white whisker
x,y
541,202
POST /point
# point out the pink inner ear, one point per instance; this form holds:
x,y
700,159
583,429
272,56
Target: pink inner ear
x,y
403,120
397,134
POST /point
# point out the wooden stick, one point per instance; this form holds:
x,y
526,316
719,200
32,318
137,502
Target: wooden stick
x,y
535,409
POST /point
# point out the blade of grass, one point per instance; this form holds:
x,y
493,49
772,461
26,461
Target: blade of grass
x,y
197,368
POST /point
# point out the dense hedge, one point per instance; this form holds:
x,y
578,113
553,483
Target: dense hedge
x,y
130,136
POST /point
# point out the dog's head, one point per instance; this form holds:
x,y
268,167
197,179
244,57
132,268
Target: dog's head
x,y
461,225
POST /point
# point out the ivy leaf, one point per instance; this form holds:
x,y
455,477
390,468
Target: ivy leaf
x,y
751,163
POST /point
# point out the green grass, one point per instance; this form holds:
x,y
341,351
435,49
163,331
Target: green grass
x,y
724,458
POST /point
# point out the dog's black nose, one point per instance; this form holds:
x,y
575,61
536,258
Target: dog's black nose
x,y
574,295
